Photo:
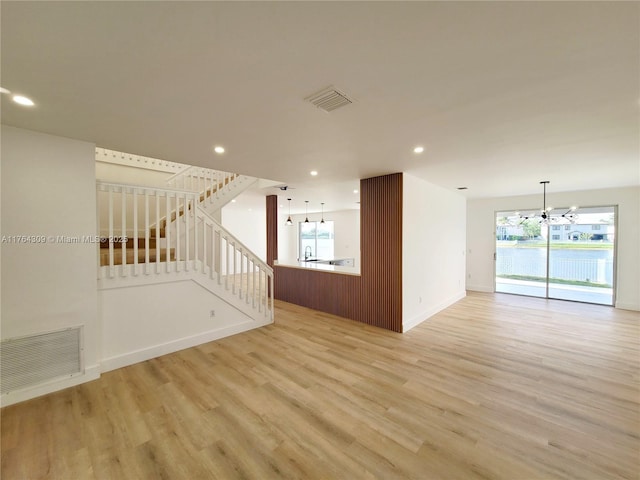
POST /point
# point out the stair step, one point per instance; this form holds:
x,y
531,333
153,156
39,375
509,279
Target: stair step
x,y
117,242
117,256
163,232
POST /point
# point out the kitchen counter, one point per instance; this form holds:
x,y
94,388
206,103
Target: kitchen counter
x,y
322,266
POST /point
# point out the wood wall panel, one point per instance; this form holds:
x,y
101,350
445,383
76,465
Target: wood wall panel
x,y
374,297
272,229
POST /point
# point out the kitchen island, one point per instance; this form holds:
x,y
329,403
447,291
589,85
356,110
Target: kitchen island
x,y
337,265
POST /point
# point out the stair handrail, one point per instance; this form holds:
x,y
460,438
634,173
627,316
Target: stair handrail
x,y
177,174
205,179
101,183
258,260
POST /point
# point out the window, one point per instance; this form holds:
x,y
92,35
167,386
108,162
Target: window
x,y
595,227
567,227
555,237
316,240
556,227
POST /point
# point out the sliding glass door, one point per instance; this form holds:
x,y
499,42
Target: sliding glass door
x,y
571,258
521,256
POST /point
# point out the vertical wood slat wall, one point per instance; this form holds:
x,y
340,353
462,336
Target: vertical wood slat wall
x,y
272,229
374,297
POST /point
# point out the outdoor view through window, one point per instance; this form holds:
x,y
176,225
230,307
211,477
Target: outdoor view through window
x,y
316,240
569,259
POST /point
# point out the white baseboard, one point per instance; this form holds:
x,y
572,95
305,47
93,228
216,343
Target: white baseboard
x,y
418,319
137,356
90,373
481,288
628,306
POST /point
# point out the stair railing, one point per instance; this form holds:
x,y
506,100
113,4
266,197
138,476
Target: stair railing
x,y
230,263
147,231
207,182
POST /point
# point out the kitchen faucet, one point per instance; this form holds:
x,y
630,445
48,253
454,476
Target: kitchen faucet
x,y
307,253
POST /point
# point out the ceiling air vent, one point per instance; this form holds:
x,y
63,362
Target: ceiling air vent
x,y
329,99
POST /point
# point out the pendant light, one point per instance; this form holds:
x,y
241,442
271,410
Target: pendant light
x,y
306,211
289,222
322,221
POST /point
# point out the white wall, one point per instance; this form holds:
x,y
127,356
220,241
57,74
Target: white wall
x,y
433,249
346,235
246,219
481,235
48,188
173,316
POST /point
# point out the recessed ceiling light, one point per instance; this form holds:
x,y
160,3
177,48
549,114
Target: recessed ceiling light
x,y
355,191
4,90
418,150
27,102
313,173
218,149
233,201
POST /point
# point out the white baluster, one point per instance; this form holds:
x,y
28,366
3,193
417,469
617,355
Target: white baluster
x,y
213,255
246,294
241,291
253,274
219,256
178,252
233,279
204,246
157,232
135,232
226,278
259,289
124,232
98,226
146,231
186,231
211,187
110,237
167,231
195,234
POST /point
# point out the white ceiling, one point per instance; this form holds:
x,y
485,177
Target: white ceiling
x,y
500,94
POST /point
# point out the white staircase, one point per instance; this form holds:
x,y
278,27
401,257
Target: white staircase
x,y
169,275
161,235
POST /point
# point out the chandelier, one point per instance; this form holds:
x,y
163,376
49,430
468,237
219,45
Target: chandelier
x,y
547,215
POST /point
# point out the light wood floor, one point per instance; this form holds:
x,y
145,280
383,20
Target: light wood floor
x,y
494,387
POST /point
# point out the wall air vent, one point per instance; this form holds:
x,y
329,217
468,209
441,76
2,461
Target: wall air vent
x,y
329,99
35,359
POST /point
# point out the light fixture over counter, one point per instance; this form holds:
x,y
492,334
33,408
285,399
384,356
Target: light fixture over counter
x,y
306,211
289,222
